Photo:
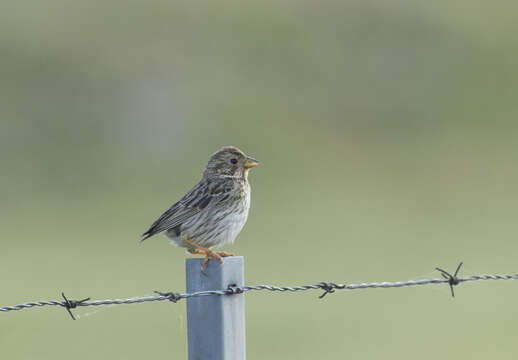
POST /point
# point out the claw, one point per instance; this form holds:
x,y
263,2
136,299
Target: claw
x,y
204,263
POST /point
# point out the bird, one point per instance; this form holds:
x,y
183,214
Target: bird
x,y
214,211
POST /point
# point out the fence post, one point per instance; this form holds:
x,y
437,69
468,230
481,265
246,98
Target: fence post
x,y
216,323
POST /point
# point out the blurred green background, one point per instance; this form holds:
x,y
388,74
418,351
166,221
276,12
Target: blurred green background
x,y
388,138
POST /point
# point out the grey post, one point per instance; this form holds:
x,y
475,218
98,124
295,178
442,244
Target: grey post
x,y
216,323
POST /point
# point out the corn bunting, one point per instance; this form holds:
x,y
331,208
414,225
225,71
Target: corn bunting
x,y
214,211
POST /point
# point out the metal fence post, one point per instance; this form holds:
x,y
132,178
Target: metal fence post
x,y
216,324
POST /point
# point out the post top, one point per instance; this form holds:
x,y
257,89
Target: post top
x,y
213,262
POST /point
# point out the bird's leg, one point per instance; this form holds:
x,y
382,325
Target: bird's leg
x,y
197,252
204,251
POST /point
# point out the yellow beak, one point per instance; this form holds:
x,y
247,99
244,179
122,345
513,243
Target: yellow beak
x,y
251,162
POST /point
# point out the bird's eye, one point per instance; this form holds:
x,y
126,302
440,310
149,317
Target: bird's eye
x,y
233,161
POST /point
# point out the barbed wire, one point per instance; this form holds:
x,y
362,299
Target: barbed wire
x,y
327,287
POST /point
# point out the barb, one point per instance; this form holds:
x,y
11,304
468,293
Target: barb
x,y
232,289
71,304
171,296
329,288
452,279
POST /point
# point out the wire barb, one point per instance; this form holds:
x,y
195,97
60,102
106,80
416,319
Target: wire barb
x,y
171,296
71,304
453,280
328,288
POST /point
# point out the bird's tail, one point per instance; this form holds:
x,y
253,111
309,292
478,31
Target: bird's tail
x,y
146,235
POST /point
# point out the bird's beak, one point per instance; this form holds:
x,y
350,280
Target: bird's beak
x,y
251,162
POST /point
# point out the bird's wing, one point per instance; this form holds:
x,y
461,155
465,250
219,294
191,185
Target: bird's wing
x,y
195,201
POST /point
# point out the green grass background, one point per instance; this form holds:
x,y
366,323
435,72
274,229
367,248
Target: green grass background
x,y
388,137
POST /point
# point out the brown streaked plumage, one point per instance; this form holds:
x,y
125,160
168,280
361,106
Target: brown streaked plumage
x,y
214,211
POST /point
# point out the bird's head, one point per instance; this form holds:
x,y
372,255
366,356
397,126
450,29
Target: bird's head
x,y
229,161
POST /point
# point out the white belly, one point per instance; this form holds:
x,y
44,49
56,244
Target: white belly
x,y
234,225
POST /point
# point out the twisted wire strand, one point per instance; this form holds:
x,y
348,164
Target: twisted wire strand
x,y
328,287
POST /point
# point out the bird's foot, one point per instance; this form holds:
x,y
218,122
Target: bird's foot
x,y
214,255
224,254
209,254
